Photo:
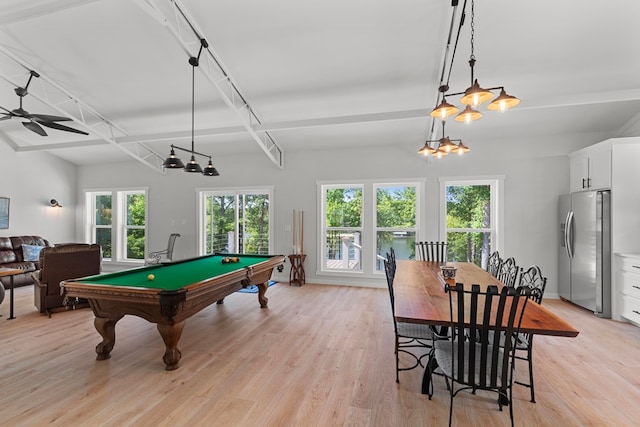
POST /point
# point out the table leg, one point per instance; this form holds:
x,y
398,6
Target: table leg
x,y
106,327
262,289
11,316
171,335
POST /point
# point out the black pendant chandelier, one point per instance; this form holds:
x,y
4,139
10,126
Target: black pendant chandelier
x,y
173,161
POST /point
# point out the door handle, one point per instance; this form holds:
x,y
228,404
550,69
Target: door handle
x,y
569,234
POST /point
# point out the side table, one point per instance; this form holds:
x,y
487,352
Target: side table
x,y
296,275
10,272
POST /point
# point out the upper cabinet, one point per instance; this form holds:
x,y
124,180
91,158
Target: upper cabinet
x,y
590,168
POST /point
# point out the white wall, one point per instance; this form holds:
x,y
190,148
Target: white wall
x,y
30,180
536,173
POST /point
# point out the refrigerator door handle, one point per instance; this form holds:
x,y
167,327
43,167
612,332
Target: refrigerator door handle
x,y
568,234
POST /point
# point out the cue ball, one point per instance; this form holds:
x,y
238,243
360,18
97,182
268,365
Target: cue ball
x,y
151,277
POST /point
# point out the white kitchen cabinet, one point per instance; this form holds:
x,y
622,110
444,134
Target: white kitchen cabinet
x,y
590,168
629,286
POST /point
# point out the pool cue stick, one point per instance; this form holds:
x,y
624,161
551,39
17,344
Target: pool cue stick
x,y
301,232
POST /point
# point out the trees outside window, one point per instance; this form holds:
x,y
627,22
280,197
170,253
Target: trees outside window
x,y
396,223
342,225
236,221
471,220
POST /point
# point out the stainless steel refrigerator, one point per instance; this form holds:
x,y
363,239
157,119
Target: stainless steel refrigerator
x,y
584,266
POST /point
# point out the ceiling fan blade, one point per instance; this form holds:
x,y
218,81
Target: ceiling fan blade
x,y
48,118
34,127
58,126
8,111
6,117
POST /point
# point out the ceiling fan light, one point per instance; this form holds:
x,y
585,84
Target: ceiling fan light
x,y
173,162
193,166
503,102
443,110
476,95
468,115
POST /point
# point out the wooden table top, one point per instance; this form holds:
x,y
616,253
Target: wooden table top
x,y
4,271
420,297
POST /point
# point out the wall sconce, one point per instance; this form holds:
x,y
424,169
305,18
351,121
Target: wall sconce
x,y
54,203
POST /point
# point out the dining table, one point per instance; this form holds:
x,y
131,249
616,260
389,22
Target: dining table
x,y
420,297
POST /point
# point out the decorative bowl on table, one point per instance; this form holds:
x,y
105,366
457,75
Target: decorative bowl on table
x,y
448,272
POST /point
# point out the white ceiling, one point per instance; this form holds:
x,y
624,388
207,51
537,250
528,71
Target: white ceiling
x,y
318,74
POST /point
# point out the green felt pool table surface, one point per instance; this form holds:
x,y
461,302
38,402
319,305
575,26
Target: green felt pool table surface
x,y
173,276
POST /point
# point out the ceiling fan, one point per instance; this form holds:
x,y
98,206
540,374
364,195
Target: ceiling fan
x,y
33,121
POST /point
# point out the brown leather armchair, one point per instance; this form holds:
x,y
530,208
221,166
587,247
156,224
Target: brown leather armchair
x,y
63,262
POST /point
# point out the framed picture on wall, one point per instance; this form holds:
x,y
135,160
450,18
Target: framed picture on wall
x,y
4,212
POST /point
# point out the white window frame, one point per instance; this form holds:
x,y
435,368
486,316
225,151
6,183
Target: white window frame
x,y
203,193
369,222
496,229
118,225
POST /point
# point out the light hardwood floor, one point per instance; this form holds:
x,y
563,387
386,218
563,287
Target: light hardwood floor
x,y
318,356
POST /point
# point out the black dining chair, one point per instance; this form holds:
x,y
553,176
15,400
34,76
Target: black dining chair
x,y
476,363
410,338
493,263
508,273
533,280
432,251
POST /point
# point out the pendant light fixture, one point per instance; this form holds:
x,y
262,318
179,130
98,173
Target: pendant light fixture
x,y
173,162
445,146
475,94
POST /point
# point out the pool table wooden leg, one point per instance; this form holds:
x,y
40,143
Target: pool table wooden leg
x,y
171,335
262,289
106,327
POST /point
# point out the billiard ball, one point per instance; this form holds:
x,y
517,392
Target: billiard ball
x,y
151,277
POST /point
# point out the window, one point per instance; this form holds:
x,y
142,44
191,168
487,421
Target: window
x,y
361,221
342,227
396,224
471,219
236,221
116,220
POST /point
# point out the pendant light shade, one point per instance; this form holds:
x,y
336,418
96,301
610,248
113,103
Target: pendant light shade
x,y
173,162
446,144
503,102
476,95
426,150
209,170
444,110
468,115
193,166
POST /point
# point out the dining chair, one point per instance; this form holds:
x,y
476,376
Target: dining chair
x,y
410,338
165,254
508,273
432,251
493,263
533,280
476,363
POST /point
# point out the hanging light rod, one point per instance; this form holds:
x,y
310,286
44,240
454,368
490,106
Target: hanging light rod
x,y
174,162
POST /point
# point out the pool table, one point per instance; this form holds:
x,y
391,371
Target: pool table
x,y
169,293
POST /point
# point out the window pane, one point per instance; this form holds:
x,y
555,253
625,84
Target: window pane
x,y
468,206
255,232
103,238
135,244
344,207
135,209
468,247
396,207
103,210
220,223
402,242
344,250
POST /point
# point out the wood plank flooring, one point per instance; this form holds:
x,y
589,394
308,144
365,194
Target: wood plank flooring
x,y
318,356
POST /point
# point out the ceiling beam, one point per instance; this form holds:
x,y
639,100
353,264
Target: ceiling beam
x,y
185,30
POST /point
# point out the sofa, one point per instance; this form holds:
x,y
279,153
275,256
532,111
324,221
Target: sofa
x,y
62,262
14,255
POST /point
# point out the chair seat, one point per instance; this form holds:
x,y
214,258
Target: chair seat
x,y
414,330
443,352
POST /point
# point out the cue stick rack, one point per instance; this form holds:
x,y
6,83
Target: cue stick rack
x,y
297,275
